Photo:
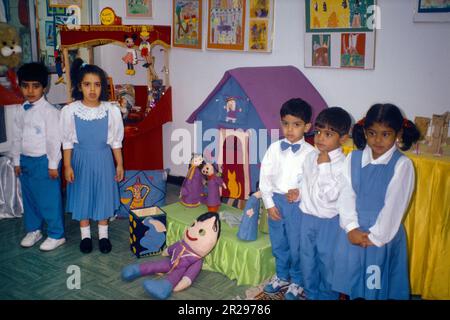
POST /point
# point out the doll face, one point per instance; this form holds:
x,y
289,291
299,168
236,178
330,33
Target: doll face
x,y
202,236
197,160
129,42
208,169
231,105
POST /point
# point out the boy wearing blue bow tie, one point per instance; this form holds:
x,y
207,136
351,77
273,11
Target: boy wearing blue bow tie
x,y
36,155
280,175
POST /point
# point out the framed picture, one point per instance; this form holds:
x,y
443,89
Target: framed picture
x,y
50,34
260,26
139,8
187,24
432,11
226,24
65,3
51,11
340,34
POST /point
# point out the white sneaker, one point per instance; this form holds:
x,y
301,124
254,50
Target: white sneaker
x,y
275,285
49,244
294,292
31,238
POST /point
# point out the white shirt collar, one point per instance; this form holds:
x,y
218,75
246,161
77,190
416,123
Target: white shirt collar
x,y
40,102
87,113
335,154
383,159
300,142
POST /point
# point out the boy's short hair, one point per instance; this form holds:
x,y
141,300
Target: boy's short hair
x,y
298,108
336,118
33,71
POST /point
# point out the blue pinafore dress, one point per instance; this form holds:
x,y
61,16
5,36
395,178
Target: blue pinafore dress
x,y
94,194
375,273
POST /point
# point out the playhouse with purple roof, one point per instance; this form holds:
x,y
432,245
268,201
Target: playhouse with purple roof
x,y
245,101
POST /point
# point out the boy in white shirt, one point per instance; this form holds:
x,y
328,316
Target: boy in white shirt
x,y
36,155
281,172
320,188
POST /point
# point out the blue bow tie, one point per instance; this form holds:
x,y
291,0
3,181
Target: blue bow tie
x,y
294,147
27,106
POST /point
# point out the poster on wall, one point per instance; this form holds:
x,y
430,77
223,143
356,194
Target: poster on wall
x,y
226,24
139,8
340,34
432,11
260,25
187,24
65,3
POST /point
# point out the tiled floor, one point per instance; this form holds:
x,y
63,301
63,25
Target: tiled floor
x,y
32,274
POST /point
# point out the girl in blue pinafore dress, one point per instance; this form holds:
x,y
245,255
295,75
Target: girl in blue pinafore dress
x,y
91,128
371,257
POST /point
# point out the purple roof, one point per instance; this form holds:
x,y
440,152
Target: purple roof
x,y
268,88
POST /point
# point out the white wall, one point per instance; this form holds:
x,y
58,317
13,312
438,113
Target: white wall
x,y
412,64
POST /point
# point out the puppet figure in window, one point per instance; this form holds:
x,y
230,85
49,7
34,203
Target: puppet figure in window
x,y
214,182
184,262
191,194
231,109
131,57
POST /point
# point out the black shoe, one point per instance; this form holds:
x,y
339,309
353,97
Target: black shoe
x,y
86,245
104,245
146,65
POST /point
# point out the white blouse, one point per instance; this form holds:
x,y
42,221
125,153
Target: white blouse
x,y
281,170
115,122
398,195
35,135
322,184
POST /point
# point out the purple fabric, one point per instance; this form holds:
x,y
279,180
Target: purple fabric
x,y
192,188
187,264
213,197
268,88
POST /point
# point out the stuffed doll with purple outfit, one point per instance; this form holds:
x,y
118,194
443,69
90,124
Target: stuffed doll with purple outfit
x,y
185,259
214,182
191,194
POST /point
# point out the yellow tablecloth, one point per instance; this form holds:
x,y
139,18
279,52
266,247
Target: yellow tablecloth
x,y
427,226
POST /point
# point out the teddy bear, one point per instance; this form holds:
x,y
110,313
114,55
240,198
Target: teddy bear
x,y
10,56
184,261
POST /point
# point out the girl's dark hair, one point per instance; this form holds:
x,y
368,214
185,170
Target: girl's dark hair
x,y
389,115
77,72
207,215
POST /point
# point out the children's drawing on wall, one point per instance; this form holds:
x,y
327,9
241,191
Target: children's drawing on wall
x,y
353,50
434,6
337,14
259,8
139,8
187,23
258,35
321,50
226,24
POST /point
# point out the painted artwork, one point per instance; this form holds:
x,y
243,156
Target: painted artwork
x,y
259,8
65,3
343,15
353,50
51,11
50,34
340,33
187,23
226,24
321,44
139,8
258,37
434,6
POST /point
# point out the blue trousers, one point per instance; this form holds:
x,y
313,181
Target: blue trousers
x,y
41,195
285,238
318,242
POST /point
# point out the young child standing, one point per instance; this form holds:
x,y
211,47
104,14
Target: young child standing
x,y
91,128
36,154
371,256
281,173
319,192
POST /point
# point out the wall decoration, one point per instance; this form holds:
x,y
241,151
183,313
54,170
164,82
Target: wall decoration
x,y
65,3
139,8
226,24
340,33
260,25
187,23
432,11
50,34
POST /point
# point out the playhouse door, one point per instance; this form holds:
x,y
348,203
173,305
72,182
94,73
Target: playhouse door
x,y
234,161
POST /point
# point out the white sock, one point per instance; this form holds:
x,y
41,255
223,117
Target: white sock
x,y
102,231
85,232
